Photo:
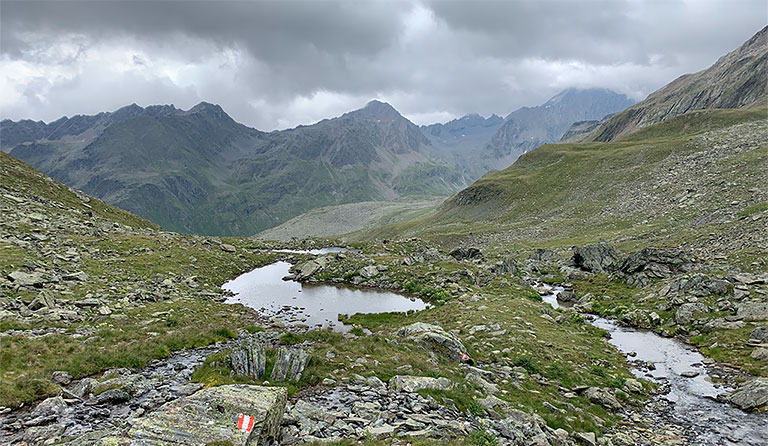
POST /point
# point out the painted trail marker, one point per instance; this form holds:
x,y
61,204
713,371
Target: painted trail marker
x,y
245,422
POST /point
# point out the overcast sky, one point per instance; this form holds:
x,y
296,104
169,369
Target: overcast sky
x,y
274,65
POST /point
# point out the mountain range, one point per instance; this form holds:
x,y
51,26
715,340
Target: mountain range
x,y
199,171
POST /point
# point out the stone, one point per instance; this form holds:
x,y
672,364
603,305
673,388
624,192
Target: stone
x,y
753,311
113,396
466,253
603,397
21,278
369,271
686,313
228,248
632,385
407,383
505,266
654,263
587,438
379,432
251,361
78,276
84,387
761,354
211,415
596,258
61,378
760,334
521,428
434,338
752,395
49,407
289,364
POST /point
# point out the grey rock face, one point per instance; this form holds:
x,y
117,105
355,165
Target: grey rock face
x,y
435,339
251,361
654,263
211,415
289,364
596,258
687,312
751,395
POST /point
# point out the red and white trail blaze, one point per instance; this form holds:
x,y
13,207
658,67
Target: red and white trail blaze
x,y
245,422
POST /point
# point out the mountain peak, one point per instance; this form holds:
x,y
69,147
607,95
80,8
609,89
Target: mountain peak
x,y
378,110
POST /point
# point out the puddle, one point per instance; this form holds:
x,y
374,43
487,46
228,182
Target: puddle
x,y
317,252
316,306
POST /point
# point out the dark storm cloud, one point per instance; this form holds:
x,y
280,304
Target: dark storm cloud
x,y
282,63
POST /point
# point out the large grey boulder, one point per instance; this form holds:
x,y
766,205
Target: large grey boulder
x,y
751,395
596,258
435,339
655,263
753,311
471,253
211,415
406,383
21,278
251,360
688,312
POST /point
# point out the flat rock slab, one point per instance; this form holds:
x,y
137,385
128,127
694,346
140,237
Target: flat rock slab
x,y
751,395
406,383
211,415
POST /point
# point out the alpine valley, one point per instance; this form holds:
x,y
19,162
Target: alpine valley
x,y
589,271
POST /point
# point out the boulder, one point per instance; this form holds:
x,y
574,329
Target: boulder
x,y
655,263
211,415
760,334
21,278
687,312
752,395
406,383
251,361
228,248
753,311
466,254
544,256
596,258
289,364
61,377
50,407
435,339
604,397
369,271
520,428
505,266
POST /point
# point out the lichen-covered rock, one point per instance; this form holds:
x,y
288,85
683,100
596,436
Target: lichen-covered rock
x,y
406,383
211,415
751,395
603,397
289,364
251,361
753,311
435,339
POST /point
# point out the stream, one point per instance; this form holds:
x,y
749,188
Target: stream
x,y
680,368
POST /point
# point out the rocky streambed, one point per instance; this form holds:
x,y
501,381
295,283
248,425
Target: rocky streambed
x,y
687,396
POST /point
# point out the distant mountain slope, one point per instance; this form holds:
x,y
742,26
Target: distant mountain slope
x,y
737,80
529,127
200,171
669,184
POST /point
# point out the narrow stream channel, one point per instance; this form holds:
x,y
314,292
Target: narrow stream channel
x,y
317,306
691,390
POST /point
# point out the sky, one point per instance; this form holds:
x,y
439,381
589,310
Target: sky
x,y
277,64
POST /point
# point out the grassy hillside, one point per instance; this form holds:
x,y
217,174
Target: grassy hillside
x,y
671,183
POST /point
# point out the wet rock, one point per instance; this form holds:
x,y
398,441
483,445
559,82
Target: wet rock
x,y
251,361
751,395
466,253
435,339
753,311
113,396
289,363
407,383
596,258
687,312
211,415
603,397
